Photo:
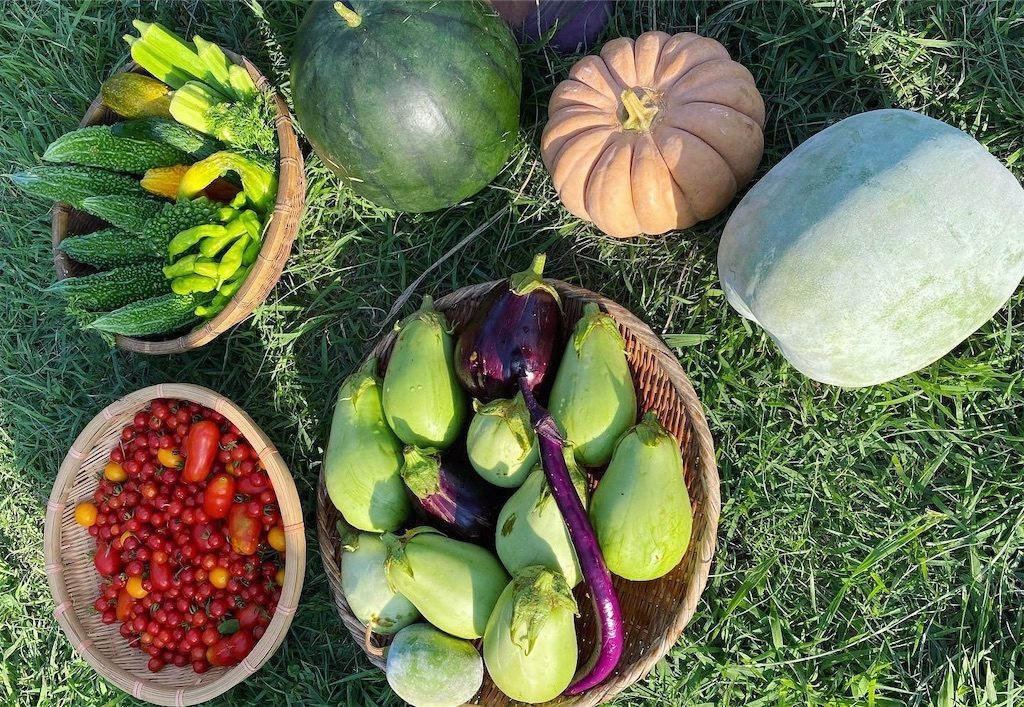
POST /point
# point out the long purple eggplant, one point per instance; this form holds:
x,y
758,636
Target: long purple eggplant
x,y
501,350
515,333
448,494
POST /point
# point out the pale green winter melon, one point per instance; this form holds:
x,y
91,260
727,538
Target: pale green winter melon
x,y
875,247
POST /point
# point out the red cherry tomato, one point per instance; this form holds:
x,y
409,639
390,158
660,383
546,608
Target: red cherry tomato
x,y
219,495
107,560
161,576
244,531
232,649
201,449
254,484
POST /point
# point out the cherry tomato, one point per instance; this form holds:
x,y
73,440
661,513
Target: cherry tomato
x,y
279,577
85,514
123,610
254,484
160,575
250,615
232,649
219,577
243,530
218,496
134,588
275,538
107,560
115,472
200,450
169,457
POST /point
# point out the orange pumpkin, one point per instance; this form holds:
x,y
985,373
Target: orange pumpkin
x,y
654,134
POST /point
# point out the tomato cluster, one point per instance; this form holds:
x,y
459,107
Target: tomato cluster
x,y
189,543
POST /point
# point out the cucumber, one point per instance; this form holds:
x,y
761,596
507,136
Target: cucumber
x,y
71,184
112,247
130,213
97,146
169,132
156,315
104,291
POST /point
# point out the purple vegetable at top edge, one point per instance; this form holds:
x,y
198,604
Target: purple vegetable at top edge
x,y
450,496
608,649
580,22
515,333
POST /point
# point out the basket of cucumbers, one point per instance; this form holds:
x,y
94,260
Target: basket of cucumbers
x,y
178,198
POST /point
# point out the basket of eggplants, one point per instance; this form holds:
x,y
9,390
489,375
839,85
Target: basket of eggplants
x,y
518,499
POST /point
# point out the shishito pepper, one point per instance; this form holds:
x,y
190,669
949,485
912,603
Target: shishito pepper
x,y
187,284
232,260
232,230
207,267
183,266
189,237
215,307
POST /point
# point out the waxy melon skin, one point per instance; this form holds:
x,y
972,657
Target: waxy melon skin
x,y
875,247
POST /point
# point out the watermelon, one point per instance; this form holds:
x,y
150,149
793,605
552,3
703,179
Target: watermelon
x,y
875,247
414,104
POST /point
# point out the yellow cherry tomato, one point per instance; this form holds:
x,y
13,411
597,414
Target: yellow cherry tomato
x,y
275,538
135,588
85,514
279,577
219,577
115,472
170,458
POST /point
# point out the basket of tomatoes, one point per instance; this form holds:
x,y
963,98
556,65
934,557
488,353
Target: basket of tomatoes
x,y
174,545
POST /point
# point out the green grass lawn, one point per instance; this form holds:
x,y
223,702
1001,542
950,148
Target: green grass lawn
x,y
870,550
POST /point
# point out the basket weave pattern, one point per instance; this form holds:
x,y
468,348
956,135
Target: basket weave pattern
x,y
277,238
73,579
655,612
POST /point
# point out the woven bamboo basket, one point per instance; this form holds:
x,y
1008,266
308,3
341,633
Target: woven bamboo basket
x,y
73,579
277,237
654,613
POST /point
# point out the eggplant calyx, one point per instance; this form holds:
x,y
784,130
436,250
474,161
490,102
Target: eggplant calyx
x,y
421,471
592,318
347,536
356,384
428,315
650,431
525,282
536,593
514,414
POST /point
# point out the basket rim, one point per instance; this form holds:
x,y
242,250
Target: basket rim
x,y
280,230
149,688
706,466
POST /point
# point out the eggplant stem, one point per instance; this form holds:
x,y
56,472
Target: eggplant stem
x,y
369,645
608,648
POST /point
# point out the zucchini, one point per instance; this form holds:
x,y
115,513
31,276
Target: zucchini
x,y
156,315
111,248
130,213
168,132
115,288
97,146
136,96
71,184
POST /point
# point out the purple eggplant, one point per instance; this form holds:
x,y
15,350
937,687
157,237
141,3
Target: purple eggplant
x,y
514,334
501,350
449,495
580,22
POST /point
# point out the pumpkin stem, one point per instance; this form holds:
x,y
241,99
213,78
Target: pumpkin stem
x,y
640,112
351,17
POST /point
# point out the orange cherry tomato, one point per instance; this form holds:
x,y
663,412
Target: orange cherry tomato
x,y
85,514
219,577
115,472
124,605
275,538
244,530
279,577
134,588
170,458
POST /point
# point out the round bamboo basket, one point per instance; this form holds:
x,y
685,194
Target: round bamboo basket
x,y
73,579
277,238
654,613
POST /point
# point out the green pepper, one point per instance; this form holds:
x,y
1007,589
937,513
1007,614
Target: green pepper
x,y
182,266
207,267
211,246
252,223
226,213
232,260
238,201
211,310
187,284
189,237
232,286
252,252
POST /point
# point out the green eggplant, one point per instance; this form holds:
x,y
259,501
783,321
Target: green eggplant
x,y
641,510
531,530
363,461
365,586
454,584
593,399
500,443
428,668
530,645
422,400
